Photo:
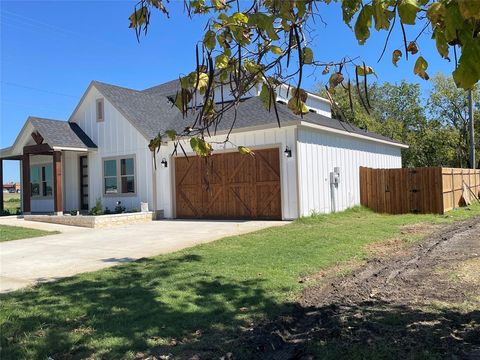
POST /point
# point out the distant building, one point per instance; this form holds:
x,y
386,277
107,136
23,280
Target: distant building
x,y
11,187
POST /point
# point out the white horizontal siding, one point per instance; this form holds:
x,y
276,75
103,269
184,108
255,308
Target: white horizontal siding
x,y
259,138
115,136
320,152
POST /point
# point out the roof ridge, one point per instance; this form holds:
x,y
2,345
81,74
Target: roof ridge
x,y
43,118
113,85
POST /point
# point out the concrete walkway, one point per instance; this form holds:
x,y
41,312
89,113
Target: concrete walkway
x,y
76,250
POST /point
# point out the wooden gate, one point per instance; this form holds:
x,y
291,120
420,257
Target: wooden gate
x,y
229,186
416,190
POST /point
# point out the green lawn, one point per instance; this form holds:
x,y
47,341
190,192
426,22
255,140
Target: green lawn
x,y
194,297
8,233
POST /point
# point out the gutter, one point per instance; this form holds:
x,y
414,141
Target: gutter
x,y
351,134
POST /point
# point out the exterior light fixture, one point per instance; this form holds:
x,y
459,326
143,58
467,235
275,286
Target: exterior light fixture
x,y
164,162
288,152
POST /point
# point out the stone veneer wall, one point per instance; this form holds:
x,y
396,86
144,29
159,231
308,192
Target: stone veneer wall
x,y
100,221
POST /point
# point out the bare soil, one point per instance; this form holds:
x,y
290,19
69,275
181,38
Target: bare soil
x,y
418,302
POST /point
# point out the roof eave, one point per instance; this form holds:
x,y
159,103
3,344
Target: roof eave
x,y
351,134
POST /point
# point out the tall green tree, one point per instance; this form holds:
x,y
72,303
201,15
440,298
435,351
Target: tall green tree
x,y
449,106
435,128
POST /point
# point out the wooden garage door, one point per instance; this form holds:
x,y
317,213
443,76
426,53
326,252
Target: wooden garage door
x,y
229,186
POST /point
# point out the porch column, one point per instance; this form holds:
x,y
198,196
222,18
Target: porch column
x,y
26,184
1,185
57,183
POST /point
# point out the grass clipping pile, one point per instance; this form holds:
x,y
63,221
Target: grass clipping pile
x,y
424,301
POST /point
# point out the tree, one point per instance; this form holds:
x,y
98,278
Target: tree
x,y
267,40
449,106
436,129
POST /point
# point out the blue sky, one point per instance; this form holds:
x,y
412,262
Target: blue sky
x,y
51,50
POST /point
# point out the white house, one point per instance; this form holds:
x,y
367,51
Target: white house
x,y
309,164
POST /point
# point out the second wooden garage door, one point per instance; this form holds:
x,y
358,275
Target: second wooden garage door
x,y
229,186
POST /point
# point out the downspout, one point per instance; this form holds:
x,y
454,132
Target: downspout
x,y
154,185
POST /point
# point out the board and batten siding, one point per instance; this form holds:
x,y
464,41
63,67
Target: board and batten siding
x,y
115,136
260,138
320,152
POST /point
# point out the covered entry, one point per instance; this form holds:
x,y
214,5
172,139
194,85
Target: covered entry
x,y
229,186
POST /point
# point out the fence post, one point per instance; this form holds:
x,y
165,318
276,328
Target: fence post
x,y
453,190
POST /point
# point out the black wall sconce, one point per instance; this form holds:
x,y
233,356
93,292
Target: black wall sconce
x,y
164,162
288,152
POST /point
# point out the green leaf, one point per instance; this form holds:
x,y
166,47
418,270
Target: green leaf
x,y
396,55
453,22
307,55
420,68
349,9
436,13
139,17
467,73
172,134
219,4
407,10
365,70
297,102
382,21
470,9
221,61
363,24
441,42
335,80
267,95
245,151
276,50
200,146
209,40
240,18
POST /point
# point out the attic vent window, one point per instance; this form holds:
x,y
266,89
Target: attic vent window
x,y
100,110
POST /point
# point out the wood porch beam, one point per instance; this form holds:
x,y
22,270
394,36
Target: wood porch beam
x,y
26,183
40,149
57,182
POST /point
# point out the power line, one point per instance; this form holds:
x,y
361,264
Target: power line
x,y
37,89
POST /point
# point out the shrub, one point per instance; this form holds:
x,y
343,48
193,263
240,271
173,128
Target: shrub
x,y
73,212
4,212
97,209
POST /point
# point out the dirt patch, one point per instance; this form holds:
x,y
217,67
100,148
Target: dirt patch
x,y
388,308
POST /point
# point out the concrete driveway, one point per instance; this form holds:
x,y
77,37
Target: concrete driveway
x,y
76,250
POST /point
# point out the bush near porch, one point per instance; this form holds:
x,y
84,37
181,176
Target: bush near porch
x,y
194,298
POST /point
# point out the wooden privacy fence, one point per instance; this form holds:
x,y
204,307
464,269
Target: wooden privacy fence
x,y
417,190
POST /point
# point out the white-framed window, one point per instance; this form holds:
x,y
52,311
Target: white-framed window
x,y
41,180
99,110
119,176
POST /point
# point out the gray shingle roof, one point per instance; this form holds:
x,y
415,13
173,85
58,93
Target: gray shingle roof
x,y
151,112
58,133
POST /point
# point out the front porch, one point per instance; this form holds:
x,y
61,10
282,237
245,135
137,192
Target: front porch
x,y
52,167
42,189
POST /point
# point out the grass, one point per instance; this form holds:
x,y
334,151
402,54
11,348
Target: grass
x,y
11,202
8,233
193,297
